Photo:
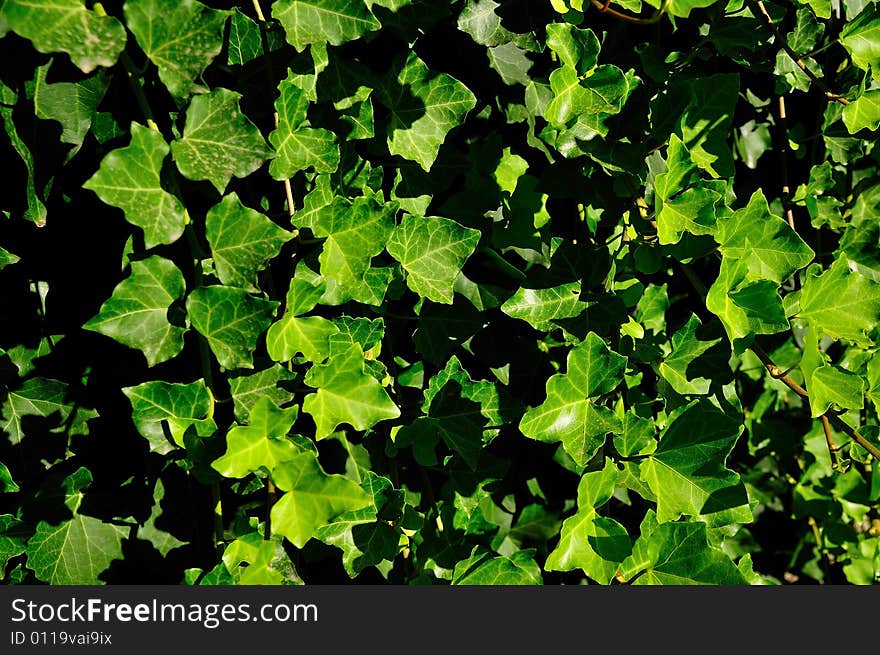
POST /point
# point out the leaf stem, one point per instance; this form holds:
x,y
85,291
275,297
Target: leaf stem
x,y
795,57
605,8
270,72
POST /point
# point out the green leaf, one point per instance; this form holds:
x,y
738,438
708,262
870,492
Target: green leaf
x,y
73,105
7,258
863,113
162,540
293,334
219,142
42,397
511,63
807,30
595,544
298,146
74,552
269,383
13,536
364,539
346,393
693,211
829,385
245,41
136,315
7,484
677,554
841,302
637,435
313,499
861,38
687,346
482,568
356,231
161,408
90,38
129,178
576,48
421,118
540,308
253,560
772,249
181,38
260,445
687,471
432,250
822,8
323,21
242,241
705,122
681,8
587,100
568,414
231,320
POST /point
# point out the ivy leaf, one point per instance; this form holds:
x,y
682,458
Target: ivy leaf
x,y
129,179
346,393
248,388
693,211
422,117
159,408
482,568
253,560
356,231
245,40
586,99
772,249
162,540
231,320
136,315
705,123
299,147
90,38
36,210
7,484
181,38
242,241
861,38
677,554
567,415
576,48
432,250
313,498
293,334
541,308
7,258
37,396
364,539
687,346
262,444
681,8
219,141
829,385
74,552
745,307
637,435
687,470
13,536
863,113
323,21
840,302
73,105
595,544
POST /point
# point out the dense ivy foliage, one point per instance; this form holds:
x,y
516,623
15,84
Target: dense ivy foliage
x,y
440,291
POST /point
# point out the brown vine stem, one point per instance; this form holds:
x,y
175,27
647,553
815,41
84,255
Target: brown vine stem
x,y
795,57
827,417
782,375
605,8
264,38
786,190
